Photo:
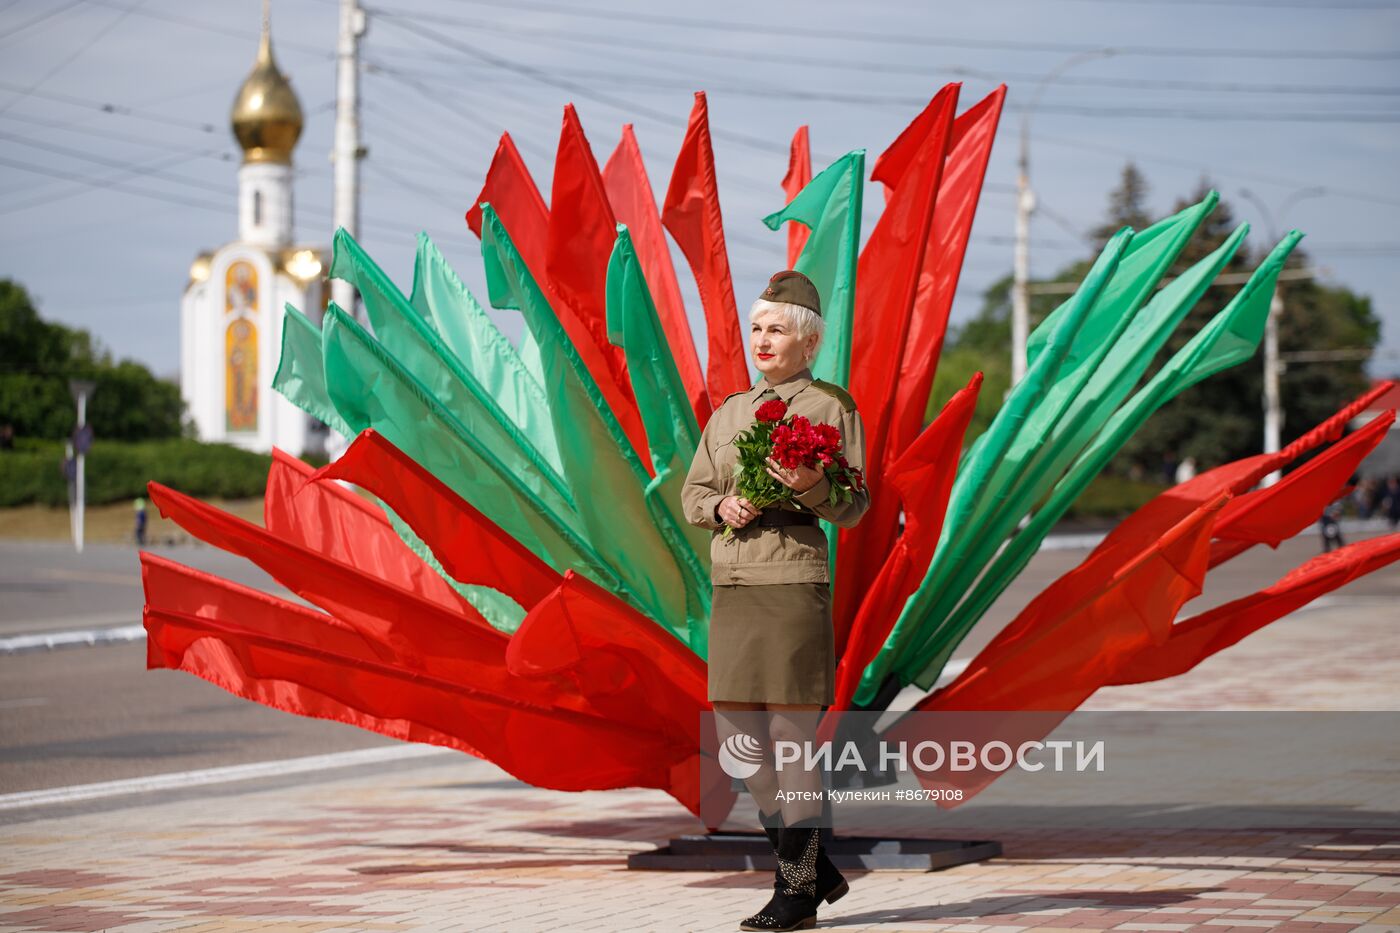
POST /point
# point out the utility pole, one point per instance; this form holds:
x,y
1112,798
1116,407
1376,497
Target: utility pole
x,y
1025,206
1273,407
1273,367
1021,270
82,441
348,151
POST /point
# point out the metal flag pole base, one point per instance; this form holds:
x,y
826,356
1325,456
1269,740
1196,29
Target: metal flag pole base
x,y
746,851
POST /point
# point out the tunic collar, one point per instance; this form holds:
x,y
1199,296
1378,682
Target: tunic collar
x,y
784,390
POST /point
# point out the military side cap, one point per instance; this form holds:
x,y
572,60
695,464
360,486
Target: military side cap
x,y
792,287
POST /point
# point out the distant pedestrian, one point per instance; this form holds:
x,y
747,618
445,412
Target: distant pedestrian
x,y
140,505
1331,527
7,437
1186,470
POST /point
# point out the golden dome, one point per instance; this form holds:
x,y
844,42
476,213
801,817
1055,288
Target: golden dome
x,y
267,117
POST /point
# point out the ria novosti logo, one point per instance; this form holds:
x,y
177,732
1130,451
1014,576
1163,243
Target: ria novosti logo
x,y
740,756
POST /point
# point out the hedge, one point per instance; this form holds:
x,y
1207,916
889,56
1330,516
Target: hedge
x,y
32,473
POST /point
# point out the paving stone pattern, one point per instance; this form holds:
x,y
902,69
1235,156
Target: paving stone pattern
x,y
458,846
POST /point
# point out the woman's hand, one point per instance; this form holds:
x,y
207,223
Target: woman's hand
x,y
800,479
737,511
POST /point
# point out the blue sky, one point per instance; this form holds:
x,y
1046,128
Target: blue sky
x,y
117,165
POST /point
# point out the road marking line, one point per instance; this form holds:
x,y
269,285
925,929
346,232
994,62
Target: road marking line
x,y
94,576
16,644
24,701
65,623
223,775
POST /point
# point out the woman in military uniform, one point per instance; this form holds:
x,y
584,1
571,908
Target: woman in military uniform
x,y
772,647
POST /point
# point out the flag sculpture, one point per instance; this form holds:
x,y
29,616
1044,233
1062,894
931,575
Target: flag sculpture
x,y
519,582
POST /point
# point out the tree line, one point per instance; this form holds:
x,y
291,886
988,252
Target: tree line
x,y
1222,418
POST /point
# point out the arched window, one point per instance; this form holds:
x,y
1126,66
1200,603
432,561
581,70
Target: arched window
x,y
257,208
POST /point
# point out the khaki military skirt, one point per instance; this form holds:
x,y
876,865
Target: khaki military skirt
x,y
772,643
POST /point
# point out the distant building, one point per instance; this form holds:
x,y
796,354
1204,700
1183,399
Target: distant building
x,y
231,314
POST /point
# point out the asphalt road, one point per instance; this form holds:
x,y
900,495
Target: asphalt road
x,y
86,714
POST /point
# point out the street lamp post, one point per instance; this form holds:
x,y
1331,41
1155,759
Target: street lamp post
x,y
82,440
1273,366
1025,206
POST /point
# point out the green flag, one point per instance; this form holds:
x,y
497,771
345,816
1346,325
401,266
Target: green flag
x,y
598,458
982,460
672,431
1091,407
473,338
419,349
370,388
301,375
830,206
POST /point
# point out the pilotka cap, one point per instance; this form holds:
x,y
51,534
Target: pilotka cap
x,y
792,287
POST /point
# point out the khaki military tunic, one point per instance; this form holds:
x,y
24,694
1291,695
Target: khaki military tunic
x,y
771,637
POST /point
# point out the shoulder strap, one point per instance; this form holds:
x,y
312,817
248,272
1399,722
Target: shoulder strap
x,y
836,392
731,395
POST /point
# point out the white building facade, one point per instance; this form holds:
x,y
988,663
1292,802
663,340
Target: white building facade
x,y
231,314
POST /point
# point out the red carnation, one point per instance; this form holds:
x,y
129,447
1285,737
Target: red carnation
x,y
773,410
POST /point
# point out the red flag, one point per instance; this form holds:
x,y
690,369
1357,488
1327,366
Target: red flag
x,y
1085,626
581,230
923,478
337,523
468,545
195,622
579,650
1151,521
691,212
1276,513
629,192
513,193
1087,623
399,626
1196,639
886,289
910,146
581,235
636,670
959,190
799,173
1237,477
289,658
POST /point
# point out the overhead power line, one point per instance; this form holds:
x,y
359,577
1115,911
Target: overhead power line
x,y
937,40
1253,116
1273,5
122,110
612,76
72,57
193,23
1102,149
543,76
48,14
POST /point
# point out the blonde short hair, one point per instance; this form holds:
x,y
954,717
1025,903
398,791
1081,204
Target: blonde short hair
x,y
804,321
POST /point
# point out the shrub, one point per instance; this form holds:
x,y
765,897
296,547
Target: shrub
x,y
33,471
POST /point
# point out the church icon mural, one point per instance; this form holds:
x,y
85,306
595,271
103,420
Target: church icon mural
x,y
241,348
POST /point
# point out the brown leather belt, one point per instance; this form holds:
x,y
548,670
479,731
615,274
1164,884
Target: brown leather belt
x,y
782,517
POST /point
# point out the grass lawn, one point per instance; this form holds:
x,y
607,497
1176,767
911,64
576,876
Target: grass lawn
x,y
109,524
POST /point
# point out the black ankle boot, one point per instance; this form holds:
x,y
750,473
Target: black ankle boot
x,y
794,902
831,884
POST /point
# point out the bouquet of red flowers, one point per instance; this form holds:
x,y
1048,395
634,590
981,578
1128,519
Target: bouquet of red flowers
x,y
791,442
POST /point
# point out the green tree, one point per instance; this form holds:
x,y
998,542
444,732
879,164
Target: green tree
x,y
1222,418
1127,206
37,358
1215,421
